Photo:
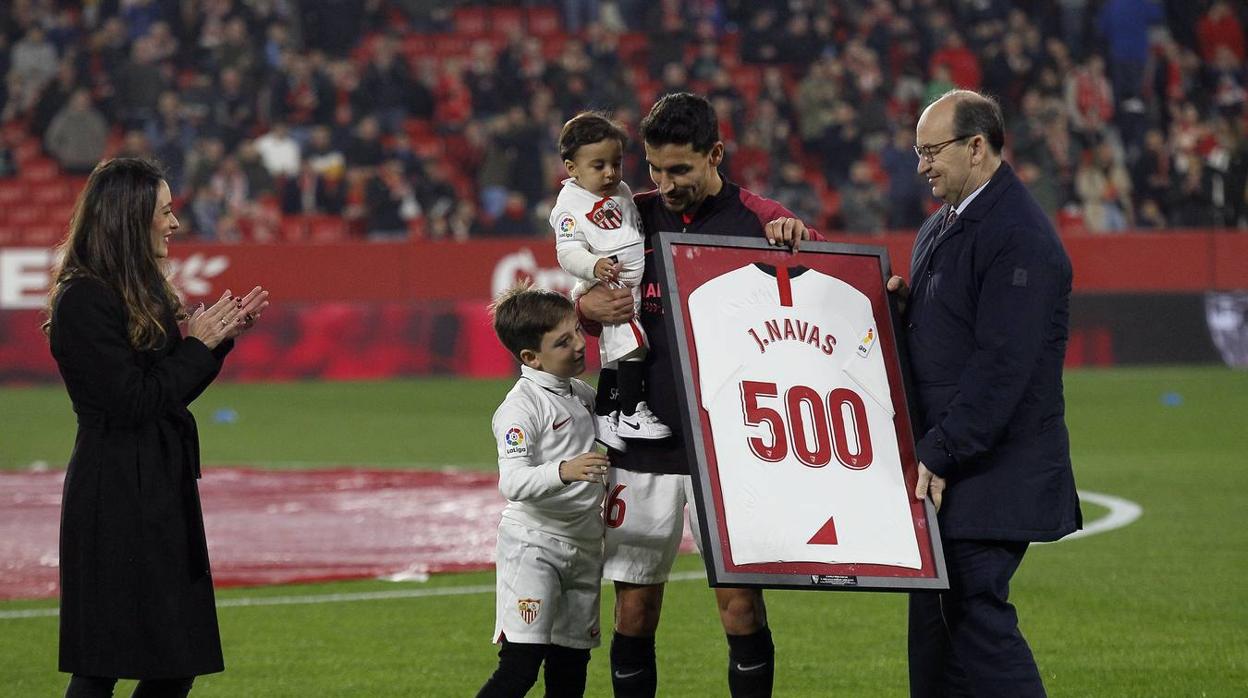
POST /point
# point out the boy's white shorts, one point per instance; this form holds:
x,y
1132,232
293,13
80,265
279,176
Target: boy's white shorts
x,y
645,515
547,589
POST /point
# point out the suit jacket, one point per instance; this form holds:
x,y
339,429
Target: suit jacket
x,y
987,324
136,593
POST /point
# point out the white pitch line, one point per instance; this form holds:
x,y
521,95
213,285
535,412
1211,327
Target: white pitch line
x,y
1122,512
334,598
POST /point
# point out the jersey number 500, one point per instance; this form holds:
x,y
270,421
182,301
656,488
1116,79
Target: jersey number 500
x,y
831,431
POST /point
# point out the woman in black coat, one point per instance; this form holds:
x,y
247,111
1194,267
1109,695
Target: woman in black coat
x,y
136,592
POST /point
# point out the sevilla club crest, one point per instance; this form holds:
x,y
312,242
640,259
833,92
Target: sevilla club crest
x,y
528,609
606,214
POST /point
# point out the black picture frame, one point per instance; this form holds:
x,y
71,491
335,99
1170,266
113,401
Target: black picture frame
x,y
684,259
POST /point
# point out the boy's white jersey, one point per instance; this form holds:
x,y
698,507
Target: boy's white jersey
x,y
543,421
588,227
802,419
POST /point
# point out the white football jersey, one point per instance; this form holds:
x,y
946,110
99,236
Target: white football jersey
x,y
800,409
543,421
588,227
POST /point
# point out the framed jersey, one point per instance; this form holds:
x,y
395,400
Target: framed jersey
x,y
796,415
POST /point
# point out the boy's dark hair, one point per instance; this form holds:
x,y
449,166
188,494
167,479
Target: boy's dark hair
x,y
523,314
681,118
585,128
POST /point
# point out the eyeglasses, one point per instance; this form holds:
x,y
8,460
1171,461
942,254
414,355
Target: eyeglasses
x,y
929,152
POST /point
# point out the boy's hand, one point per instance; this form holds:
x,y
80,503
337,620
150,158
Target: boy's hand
x,y
587,467
607,270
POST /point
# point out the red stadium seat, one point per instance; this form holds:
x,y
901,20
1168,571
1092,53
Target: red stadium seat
x,y
470,20
831,204
749,80
544,21
451,46
14,131
1070,221
633,48
11,192
553,45
76,183
26,151
363,51
418,128
326,229
43,235
293,229
55,193
506,20
730,47
414,46
39,170
429,146
416,228
26,215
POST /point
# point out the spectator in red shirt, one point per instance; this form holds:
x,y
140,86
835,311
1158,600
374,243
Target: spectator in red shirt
x,y
1217,28
961,61
1090,100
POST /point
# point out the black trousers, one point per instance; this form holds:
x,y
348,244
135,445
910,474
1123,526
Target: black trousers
x,y
966,641
102,687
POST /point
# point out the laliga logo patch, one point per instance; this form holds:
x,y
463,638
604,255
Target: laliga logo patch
x,y
868,341
566,226
528,609
606,214
514,442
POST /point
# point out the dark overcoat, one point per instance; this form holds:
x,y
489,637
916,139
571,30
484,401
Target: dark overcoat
x,y
987,325
136,593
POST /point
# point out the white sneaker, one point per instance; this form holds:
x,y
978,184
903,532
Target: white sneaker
x,y
607,428
642,424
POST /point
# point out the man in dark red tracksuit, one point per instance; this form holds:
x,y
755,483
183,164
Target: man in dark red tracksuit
x,y
650,484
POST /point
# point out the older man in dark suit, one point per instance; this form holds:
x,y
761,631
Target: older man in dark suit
x,y
987,317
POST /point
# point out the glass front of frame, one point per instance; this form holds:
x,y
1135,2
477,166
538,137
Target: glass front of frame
x,y
795,412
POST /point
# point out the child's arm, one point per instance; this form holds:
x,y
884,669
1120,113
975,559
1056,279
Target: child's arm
x,y
577,260
572,247
520,480
520,477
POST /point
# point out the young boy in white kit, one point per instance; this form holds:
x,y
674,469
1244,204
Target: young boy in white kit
x,y
598,240
549,555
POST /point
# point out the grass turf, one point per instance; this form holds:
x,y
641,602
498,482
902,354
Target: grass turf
x,y
1155,609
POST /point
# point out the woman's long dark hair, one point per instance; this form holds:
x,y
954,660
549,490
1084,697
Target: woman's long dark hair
x,y
110,240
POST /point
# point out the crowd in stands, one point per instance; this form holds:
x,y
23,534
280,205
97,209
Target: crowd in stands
x,y
439,119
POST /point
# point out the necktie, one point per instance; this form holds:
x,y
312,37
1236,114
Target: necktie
x,y
950,217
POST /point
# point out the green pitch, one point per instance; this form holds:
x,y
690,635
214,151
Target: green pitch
x,y
1159,608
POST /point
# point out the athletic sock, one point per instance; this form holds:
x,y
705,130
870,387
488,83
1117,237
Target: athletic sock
x,y
565,672
751,664
632,374
518,664
608,398
633,671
